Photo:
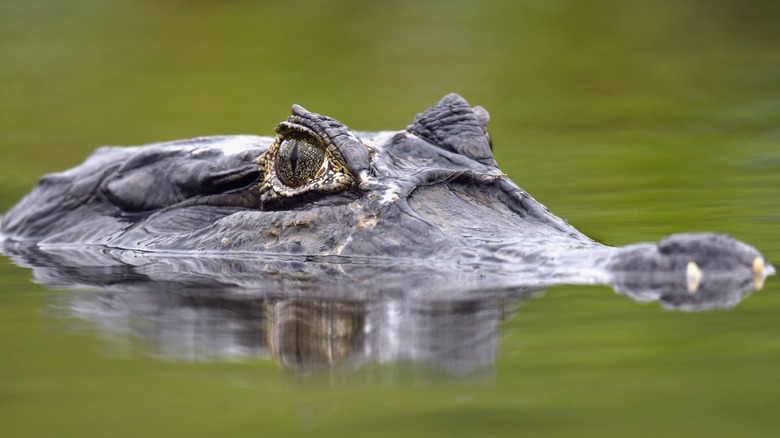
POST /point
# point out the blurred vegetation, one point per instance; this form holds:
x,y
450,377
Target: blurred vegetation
x,y
658,95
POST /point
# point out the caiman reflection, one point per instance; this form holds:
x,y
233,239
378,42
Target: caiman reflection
x,y
390,322
312,316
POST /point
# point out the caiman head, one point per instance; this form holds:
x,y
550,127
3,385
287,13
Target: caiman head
x,y
429,194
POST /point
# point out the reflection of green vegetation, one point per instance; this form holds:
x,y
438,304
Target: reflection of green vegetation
x,y
632,119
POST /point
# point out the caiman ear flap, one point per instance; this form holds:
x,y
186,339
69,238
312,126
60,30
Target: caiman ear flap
x,y
454,125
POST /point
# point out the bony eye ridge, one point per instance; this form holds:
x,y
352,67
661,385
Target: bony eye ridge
x,y
299,161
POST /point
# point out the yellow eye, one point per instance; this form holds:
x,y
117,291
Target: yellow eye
x,y
298,161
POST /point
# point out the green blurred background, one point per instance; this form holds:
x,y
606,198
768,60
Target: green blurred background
x,y
631,119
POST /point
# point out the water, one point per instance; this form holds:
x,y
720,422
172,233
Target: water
x,y
633,120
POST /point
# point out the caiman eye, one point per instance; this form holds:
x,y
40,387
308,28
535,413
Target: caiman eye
x,y
310,156
299,162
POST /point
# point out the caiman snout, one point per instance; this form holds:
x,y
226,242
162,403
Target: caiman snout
x,y
691,268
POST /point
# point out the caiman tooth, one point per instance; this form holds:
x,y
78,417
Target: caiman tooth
x,y
758,272
693,275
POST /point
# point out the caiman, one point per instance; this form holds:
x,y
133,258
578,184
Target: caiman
x,y
431,195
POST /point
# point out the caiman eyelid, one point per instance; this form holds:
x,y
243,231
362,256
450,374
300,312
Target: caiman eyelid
x,y
286,129
324,168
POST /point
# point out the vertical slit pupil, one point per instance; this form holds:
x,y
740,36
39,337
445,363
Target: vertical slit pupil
x,y
294,156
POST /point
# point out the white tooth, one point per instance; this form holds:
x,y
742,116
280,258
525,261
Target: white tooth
x,y
693,276
758,272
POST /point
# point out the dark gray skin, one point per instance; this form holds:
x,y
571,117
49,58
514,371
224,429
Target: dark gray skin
x,y
432,194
